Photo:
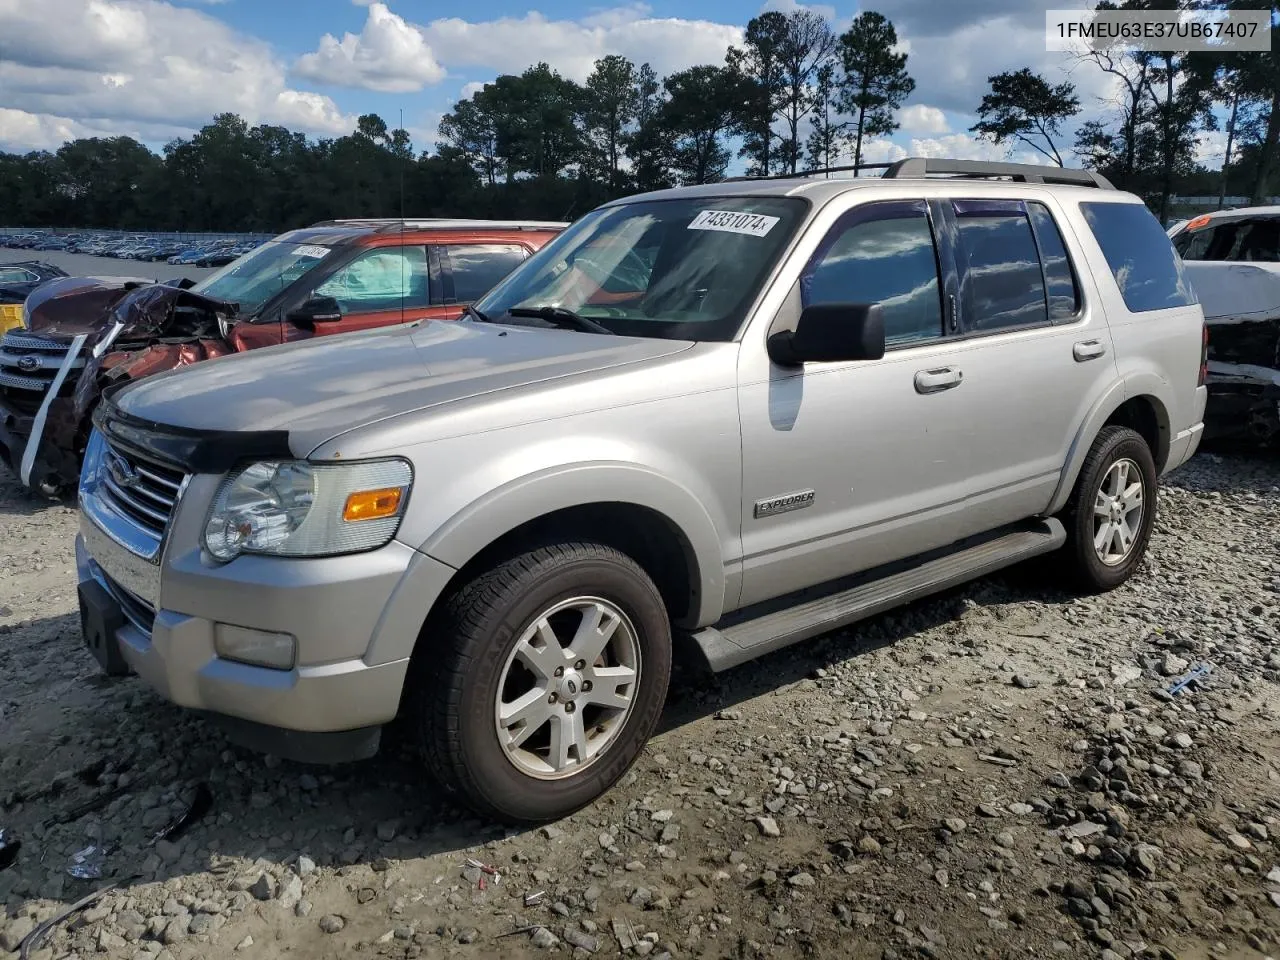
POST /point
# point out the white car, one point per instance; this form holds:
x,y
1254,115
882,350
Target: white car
x,y
1232,259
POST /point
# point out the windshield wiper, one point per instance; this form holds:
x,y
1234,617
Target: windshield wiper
x,y
561,317
468,308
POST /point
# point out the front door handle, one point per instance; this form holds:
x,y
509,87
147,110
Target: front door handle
x,y
1088,350
937,380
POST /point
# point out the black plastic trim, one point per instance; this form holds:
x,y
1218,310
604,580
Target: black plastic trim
x,y
340,746
184,448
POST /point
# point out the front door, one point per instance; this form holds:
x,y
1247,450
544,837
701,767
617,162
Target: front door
x,y
380,287
847,466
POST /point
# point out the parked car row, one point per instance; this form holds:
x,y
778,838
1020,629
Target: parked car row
x,y
204,253
729,417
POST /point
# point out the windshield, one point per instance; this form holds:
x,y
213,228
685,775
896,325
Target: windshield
x,y
683,269
262,273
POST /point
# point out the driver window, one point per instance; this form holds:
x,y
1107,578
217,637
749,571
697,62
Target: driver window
x,y
886,258
380,280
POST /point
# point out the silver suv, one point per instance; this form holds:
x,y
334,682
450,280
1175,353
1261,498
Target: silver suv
x,y
736,415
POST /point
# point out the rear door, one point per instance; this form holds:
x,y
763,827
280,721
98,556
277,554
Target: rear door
x,y
470,270
381,286
1036,351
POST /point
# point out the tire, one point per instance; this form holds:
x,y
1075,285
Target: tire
x,y
484,651
1114,450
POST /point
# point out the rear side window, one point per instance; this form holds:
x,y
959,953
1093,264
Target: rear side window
x,y
1147,269
1059,278
477,267
1002,284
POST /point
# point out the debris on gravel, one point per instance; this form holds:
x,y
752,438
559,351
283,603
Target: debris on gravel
x,y
1005,770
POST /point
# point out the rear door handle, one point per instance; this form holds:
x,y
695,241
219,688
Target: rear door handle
x,y
937,380
1088,350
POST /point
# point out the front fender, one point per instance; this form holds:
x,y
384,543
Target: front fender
x,y
1137,383
503,509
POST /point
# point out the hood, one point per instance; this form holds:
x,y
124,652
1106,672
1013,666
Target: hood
x,y
92,305
317,389
1235,292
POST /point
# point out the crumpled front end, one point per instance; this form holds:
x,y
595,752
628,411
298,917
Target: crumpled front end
x,y
83,335
1244,382
1241,302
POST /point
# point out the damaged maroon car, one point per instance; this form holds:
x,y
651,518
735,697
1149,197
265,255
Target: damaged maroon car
x,y
82,335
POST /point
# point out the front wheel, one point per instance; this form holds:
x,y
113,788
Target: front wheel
x,y
545,679
1112,510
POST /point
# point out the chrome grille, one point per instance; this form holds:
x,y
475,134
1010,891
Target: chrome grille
x,y
143,491
136,610
29,363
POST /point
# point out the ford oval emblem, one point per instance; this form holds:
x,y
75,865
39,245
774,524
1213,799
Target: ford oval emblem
x,y
122,473
28,364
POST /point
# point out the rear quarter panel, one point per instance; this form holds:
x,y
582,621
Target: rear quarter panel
x,y
1157,352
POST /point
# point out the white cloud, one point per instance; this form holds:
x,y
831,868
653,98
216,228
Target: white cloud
x,y
919,118
876,151
388,55
142,64
790,6
393,55
27,131
1211,147
957,146
469,90
510,44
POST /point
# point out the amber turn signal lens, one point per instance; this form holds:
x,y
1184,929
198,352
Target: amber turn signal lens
x,y
372,504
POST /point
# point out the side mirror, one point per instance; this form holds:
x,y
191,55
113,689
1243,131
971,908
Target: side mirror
x,y
830,333
317,310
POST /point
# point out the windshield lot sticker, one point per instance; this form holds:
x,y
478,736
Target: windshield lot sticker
x,y
727,221
311,250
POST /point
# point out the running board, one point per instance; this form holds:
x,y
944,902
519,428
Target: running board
x,y
729,646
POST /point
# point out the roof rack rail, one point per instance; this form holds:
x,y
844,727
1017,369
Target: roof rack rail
x,y
922,167
919,167
410,223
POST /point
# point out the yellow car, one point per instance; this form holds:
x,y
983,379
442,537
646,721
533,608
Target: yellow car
x,y
10,317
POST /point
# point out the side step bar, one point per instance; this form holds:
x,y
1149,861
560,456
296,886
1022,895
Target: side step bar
x,y
730,646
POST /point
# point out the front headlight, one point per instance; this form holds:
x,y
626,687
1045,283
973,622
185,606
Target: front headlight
x,y
292,508
26,316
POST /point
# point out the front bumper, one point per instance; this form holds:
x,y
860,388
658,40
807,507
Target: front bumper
x,y
327,708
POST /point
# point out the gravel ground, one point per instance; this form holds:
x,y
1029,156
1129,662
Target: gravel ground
x,y
82,265
997,772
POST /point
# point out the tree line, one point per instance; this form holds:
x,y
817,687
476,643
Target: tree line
x,y
794,96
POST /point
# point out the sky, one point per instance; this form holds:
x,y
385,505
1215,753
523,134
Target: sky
x,y
159,69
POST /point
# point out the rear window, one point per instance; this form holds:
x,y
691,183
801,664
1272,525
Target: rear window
x,y
1248,241
1147,269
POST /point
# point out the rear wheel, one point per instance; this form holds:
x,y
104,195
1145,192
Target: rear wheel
x,y
545,679
1112,510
